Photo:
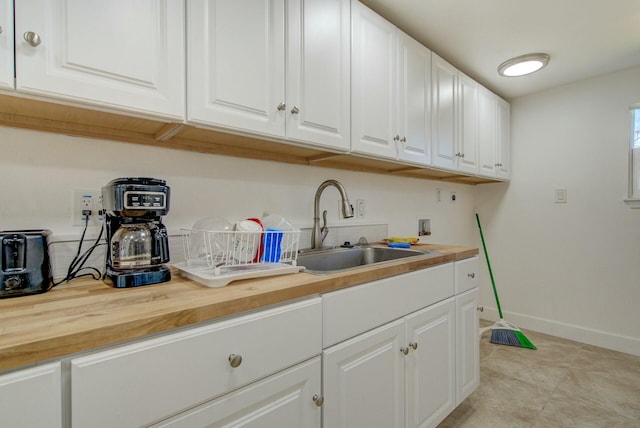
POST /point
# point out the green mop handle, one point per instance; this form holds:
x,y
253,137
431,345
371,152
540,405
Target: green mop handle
x,y
486,255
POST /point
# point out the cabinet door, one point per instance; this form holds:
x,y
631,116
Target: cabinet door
x,y
503,149
120,54
6,44
414,101
487,133
32,398
318,77
467,148
363,380
284,400
443,140
468,345
373,83
236,64
430,369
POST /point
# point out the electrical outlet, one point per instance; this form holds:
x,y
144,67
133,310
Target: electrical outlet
x,y
87,201
360,208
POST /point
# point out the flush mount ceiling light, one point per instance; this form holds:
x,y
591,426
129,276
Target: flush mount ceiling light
x,y
524,64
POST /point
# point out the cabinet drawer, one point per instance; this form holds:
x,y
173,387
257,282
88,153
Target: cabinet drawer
x,y
141,383
355,310
283,400
32,397
467,274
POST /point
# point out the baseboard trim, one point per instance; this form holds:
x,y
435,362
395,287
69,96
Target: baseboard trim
x,y
604,339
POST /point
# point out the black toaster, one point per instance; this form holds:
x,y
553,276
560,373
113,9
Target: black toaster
x,y
25,266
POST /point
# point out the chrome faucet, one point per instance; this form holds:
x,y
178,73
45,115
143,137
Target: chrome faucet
x,y
347,211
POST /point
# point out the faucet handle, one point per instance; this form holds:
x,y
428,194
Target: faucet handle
x,y
362,241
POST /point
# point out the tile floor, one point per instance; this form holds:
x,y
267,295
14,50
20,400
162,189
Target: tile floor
x,y
561,384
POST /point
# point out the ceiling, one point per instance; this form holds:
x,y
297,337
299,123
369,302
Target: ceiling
x,y
585,38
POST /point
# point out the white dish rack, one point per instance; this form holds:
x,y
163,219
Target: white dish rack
x,y
216,258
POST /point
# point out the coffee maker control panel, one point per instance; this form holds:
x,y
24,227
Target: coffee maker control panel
x,y
145,200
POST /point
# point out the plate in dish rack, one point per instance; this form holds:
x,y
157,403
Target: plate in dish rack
x,y
219,277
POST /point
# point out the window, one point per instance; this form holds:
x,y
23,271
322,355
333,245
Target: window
x,y
634,159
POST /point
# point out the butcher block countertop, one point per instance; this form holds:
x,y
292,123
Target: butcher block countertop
x,y
85,314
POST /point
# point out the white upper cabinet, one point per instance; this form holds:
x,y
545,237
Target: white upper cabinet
x,y
319,72
6,44
443,114
390,90
494,136
503,150
414,101
235,64
467,141
238,78
487,133
455,118
373,84
122,55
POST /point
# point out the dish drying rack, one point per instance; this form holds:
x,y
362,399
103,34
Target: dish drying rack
x,y
216,258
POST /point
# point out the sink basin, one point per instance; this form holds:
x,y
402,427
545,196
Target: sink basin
x,y
339,259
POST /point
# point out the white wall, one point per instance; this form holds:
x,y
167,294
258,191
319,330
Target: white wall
x,y
573,269
39,172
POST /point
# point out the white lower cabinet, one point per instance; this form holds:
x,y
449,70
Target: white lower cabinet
x,y
149,381
284,400
399,375
32,398
430,365
363,380
467,346
410,370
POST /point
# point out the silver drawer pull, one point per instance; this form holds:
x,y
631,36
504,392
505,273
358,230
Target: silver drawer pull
x,y
318,399
471,275
295,110
404,350
32,38
235,360
282,106
413,345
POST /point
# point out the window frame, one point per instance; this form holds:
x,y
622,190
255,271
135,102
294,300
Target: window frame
x,y
633,200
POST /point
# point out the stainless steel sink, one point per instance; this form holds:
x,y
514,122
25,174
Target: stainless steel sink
x,y
339,259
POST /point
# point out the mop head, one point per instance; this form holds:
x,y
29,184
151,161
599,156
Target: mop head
x,y
504,333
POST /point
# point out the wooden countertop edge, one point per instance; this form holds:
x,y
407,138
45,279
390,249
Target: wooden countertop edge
x,y
100,318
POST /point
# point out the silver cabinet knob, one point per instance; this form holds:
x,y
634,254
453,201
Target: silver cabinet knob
x,y
471,275
480,308
235,360
403,139
498,164
295,110
404,350
396,138
282,106
413,345
318,399
32,38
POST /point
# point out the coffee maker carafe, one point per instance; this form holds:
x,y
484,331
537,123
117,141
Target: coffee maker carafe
x,y
138,244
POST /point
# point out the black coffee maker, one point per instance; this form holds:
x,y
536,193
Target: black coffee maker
x,y
138,244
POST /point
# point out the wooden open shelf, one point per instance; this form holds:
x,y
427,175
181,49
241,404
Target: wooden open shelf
x,y
35,114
